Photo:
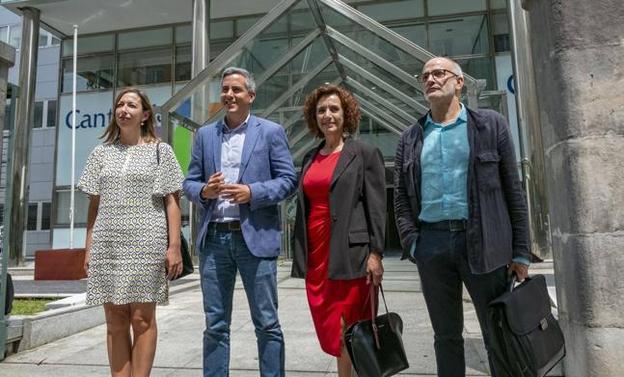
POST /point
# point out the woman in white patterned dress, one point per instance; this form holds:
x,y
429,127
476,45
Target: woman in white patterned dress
x,y
133,231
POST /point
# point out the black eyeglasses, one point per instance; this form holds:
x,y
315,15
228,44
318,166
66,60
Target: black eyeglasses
x,y
438,74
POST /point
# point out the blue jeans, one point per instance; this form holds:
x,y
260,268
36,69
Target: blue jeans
x,y
222,255
443,266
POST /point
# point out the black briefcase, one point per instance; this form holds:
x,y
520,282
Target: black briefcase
x,y
376,346
526,340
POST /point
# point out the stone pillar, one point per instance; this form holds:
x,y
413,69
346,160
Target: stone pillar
x,y
578,54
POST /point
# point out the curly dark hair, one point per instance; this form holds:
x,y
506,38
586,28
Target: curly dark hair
x,y
350,108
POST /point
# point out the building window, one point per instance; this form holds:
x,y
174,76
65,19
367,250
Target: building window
x,y
44,114
38,216
144,67
81,206
51,113
38,116
94,73
501,33
45,215
4,33
33,208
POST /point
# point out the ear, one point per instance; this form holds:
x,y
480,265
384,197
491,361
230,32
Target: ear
x,y
460,83
145,116
252,97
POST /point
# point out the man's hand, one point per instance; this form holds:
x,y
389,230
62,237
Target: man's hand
x,y
236,193
521,270
374,269
212,188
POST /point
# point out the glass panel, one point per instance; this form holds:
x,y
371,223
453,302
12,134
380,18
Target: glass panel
x,y
243,24
363,62
218,30
415,33
498,4
183,34
93,73
51,120
257,56
4,36
81,203
55,41
501,32
38,114
183,64
221,29
394,10
371,41
398,103
15,35
307,60
375,134
144,38
87,45
45,216
494,100
459,36
480,68
264,52
43,38
32,217
441,7
301,22
144,67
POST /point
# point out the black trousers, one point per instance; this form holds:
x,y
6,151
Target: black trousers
x,y
443,265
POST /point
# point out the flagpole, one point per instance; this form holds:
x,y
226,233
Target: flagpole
x,y
73,142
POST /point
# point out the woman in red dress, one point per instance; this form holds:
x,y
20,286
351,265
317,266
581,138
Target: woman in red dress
x,y
340,222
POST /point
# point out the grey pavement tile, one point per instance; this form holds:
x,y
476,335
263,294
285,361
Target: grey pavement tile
x,y
179,351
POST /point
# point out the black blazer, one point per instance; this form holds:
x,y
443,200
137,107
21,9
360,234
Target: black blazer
x,y
498,226
357,202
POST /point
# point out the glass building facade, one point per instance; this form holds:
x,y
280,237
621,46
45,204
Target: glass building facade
x,y
158,59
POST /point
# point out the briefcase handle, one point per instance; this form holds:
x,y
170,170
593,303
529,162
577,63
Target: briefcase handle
x,y
374,303
513,279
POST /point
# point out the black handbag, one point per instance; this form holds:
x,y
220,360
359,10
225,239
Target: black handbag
x,y
375,346
187,261
10,293
526,340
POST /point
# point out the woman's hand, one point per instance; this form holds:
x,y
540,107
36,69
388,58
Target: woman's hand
x,y
87,257
374,268
173,262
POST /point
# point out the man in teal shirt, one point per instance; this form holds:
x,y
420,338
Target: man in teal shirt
x,y
460,209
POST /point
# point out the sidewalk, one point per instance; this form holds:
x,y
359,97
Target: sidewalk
x,y
181,325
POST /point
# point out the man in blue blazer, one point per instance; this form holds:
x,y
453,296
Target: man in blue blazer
x,y
240,169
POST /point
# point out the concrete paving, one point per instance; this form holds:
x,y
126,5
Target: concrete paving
x,y
181,324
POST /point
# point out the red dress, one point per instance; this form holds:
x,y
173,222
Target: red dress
x,y
329,300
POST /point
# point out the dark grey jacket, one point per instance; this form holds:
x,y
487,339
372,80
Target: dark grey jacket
x,y
497,228
357,202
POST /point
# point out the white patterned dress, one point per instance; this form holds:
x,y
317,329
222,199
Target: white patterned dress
x,y
130,233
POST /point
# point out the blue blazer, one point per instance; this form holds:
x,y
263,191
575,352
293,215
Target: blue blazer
x,y
266,166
